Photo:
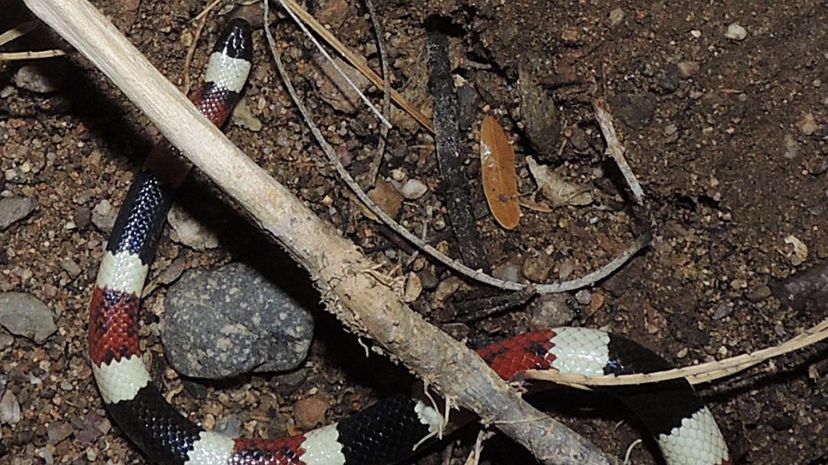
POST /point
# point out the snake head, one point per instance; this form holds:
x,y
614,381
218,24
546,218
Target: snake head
x,y
236,40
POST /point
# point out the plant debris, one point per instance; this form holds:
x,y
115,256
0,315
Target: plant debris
x,y
497,166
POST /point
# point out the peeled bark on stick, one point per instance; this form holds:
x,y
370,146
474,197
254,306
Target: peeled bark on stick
x,y
343,275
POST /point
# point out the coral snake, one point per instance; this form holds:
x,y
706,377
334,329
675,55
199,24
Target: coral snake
x,y
683,427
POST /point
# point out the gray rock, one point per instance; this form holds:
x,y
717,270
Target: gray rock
x,y
14,209
104,216
723,310
231,321
805,291
230,426
41,78
509,271
584,297
24,315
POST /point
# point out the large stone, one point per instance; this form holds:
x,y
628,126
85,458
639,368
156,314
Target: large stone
x,y
231,321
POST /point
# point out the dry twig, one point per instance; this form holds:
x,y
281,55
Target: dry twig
x,y
357,62
18,31
335,65
206,10
386,92
615,149
201,20
548,288
188,59
28,55
366,306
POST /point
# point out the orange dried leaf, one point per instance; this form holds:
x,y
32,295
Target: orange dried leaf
x,y
497,166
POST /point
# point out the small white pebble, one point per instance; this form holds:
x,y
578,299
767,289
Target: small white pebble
x,y
413,189
398,174
736,32
616,16
695,33
583,297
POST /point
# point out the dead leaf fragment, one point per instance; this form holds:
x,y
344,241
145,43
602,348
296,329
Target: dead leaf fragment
x,y
497,166
557,190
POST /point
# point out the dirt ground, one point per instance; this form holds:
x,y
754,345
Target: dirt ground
x,y
728,136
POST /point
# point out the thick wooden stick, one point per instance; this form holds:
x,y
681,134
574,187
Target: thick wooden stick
x,y
343,275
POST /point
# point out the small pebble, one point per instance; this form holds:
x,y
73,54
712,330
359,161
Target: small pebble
x,y
230,425
616,16
799,251
9,409
596,302
807,124
41,78
688,69
537,267
550,311
444,291
413,189
540,114
57,432
736,32
310,412
14,209
791,147
189,231
759,294
723,310
82,217
578,138
244,117
413,288
428,278
71,267
104,216
636,110
508,271
566,269
584,297
386,197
